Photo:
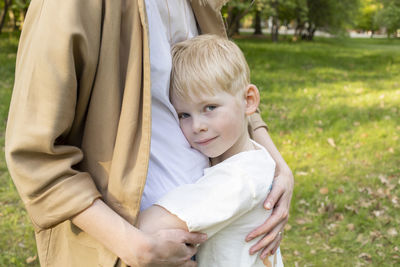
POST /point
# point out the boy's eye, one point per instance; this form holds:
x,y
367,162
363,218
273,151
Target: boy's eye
x,y
210,107
183,115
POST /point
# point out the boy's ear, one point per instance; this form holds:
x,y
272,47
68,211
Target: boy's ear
x,y
252,97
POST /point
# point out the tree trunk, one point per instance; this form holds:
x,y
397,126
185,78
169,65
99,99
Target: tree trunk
x,y
233,17
13,19
310,32
233,21
257,23
275,22
4,15
275,29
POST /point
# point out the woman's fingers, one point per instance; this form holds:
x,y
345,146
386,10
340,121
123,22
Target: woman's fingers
x,y
272,247
280,214
273,197
269,239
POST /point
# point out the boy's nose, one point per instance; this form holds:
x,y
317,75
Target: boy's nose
x,y
199,125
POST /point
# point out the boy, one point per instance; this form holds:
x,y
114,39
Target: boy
x,y
212,95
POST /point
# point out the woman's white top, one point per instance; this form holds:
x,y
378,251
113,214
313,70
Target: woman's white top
x,y
172,161
227,204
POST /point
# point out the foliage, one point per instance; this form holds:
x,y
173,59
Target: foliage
x,y
332,16
234,12
13,13
366,18
389,16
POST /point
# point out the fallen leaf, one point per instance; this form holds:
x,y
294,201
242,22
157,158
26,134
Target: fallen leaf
x,y
288,227
324,190
300,173
383,179
365,256
303,202
392,232
391,150
357,146
313,251
296,253
350,227
331,142
340,190
378,213
337,250
338,216
30,259
303,221
326,247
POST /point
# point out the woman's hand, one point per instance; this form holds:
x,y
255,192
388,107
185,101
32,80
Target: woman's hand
x,y
166,247
279,199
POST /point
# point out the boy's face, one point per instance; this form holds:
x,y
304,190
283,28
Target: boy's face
x,y
215,124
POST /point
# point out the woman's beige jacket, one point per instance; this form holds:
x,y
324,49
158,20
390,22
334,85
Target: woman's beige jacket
x,y
79,122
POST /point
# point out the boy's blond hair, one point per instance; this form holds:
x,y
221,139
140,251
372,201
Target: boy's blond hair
x,y
205,64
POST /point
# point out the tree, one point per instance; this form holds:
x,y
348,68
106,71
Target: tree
x,y
257,22
234,11
389,16
366,19
6,6
332,16
14,11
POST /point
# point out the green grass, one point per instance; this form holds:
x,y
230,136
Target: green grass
x,y
17,242
347,193
333,108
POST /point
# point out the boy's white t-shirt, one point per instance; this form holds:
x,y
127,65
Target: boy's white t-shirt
x,y
172,161
227,204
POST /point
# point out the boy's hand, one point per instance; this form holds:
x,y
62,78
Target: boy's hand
x,y
279,199
167,247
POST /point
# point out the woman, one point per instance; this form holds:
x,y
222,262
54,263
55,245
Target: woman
x,y
78,135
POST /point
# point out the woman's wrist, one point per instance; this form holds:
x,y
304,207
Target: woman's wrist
x,y
283,169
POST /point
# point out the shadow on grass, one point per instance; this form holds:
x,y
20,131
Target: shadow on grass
x,y
313,63
340,117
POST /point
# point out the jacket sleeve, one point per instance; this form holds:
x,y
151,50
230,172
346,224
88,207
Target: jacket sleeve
x,y
57,56
255,122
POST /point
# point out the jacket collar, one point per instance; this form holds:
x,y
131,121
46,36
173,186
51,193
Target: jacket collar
x,y
216,5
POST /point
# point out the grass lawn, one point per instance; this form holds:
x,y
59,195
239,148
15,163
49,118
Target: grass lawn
x,y
333,108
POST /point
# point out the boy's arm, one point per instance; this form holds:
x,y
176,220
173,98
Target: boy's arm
x,y
279,198
157,218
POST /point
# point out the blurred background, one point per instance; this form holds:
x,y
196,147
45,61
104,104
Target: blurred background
x,y
329,76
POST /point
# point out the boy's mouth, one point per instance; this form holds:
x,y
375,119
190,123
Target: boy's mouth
x,y
206,141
